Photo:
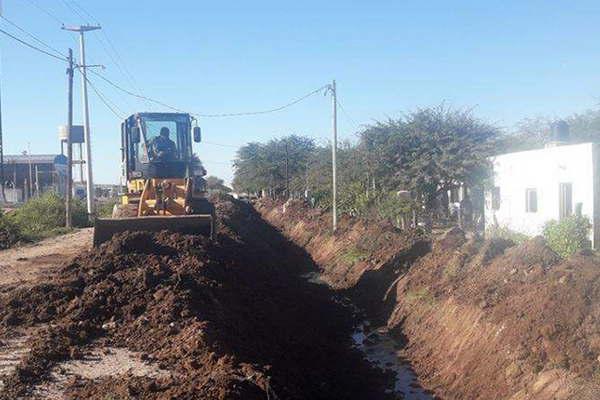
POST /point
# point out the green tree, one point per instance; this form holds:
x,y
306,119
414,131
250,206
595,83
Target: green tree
x,y
438,149
273,166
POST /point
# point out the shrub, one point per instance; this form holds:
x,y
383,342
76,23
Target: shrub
x,y
105,209
9,232
44,216
567,236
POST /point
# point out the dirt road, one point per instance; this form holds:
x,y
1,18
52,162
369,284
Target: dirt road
x,y
25,263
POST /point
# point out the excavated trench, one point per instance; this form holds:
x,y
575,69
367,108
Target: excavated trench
x,y
163,316
478,319
381,349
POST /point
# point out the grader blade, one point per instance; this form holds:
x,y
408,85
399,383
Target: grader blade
x,y
105,228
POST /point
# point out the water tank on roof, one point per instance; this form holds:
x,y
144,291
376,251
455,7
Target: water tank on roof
x,y
560,131
76,133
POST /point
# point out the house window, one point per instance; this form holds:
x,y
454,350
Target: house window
x,y
496,198
565,200
531,201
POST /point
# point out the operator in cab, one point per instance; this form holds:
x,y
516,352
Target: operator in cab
x,y
162,148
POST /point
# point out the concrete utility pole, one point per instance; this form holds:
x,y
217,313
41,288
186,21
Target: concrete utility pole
x,y
334,154
287,175
2,180
86,113
69,188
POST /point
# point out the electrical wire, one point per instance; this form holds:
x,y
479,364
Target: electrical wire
x,y
77,5
129,92
347,116
117,59
45,11
34,37
272,110
220,144
31,46
74,10
109,104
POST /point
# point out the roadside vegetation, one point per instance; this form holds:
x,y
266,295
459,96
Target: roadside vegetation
x,y
396,167
569,235
564,237
39,218
401,170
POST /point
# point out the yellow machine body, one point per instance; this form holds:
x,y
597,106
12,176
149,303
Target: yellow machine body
x,y
162,204
160,194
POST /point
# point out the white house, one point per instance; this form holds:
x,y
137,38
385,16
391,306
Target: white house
x,y
532,187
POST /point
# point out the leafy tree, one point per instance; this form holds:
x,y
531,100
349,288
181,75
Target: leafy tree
x,y
534,133
438,149
274,166
426,152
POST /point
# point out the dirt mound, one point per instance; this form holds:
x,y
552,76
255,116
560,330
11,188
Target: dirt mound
x,y
225,319
534,252
494,320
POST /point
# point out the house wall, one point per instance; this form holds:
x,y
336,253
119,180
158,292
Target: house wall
x,y
544,170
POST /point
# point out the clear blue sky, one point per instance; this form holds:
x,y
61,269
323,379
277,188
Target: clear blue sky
x,y
509,60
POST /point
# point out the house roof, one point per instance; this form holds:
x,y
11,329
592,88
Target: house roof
x,y
33,158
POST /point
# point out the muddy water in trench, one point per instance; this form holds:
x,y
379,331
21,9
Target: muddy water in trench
x,y
383,351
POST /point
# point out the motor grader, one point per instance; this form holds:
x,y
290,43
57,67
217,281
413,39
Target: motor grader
x,y
163,179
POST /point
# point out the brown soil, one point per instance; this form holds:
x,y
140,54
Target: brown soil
x,y
480,319
26,263
226,319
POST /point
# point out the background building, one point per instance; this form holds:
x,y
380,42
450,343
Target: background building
x,y
533,187
27,175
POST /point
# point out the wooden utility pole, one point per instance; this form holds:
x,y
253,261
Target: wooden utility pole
x,y
69,188
334,154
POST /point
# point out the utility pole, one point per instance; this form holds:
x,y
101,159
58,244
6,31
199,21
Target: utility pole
x,y
69,188
2,180
81,29
287,174
30,170
334,153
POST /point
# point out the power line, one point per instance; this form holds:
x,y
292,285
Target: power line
x,y
239,114
74,10
220,144
45,11
109,104
102,36
76,4
34,47
31,35
139,96
51,15
217,162
347,116
272,110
